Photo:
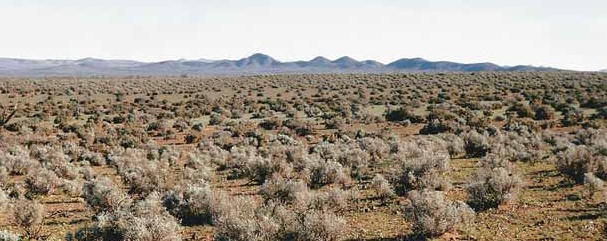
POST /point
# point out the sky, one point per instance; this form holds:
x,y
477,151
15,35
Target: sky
x,y
558,33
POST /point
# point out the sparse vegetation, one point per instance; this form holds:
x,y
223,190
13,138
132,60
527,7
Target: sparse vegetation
x,y
305,157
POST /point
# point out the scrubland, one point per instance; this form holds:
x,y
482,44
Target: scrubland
x,y
458,156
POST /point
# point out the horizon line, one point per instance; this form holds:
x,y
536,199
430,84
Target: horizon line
x,y
281,61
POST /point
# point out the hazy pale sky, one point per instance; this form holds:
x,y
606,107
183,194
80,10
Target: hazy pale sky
x,y
559,33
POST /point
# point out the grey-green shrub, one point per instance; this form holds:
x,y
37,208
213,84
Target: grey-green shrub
x,y
579,160
41,181
475,144
29,216
145,220
9,236
282,190
192,204
103,196
328,172
4,201
239,221
595,185
424,170
433,215
3,176
382,187
489,188
319,225
310,218
141,175
17,160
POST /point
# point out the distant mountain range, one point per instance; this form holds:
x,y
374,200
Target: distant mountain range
x,y
254,64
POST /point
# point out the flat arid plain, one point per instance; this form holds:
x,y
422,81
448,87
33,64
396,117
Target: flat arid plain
x,y
444,156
